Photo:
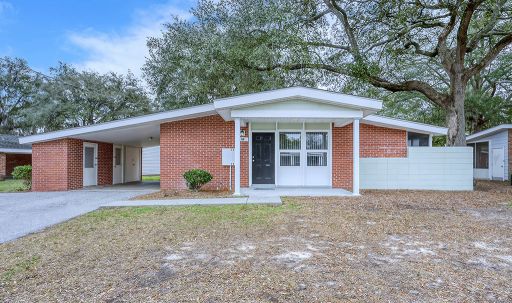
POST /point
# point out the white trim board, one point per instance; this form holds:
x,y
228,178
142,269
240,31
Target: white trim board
x,y
488,132
15,151
404,124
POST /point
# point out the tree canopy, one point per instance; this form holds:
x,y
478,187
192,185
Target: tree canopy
x,y
431,48
33,102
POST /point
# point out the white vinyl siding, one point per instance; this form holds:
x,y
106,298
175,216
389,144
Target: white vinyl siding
x,y
499,140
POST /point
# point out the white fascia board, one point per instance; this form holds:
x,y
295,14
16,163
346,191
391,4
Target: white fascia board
x,y
15,151
406,125
167,116
488,132
296,114
299,92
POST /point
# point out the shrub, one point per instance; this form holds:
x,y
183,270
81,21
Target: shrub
x,y
196,178
24,173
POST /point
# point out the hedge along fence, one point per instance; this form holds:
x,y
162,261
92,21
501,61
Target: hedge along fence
x,y
24,173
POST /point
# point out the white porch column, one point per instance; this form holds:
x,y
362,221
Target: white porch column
x,y
237,156
355,181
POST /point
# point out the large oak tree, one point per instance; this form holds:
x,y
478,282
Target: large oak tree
x,y
434,48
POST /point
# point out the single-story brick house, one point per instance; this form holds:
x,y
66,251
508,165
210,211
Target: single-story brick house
x,y
13,154
492,152
292,137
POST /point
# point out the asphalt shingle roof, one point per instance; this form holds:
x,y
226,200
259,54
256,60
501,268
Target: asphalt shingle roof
x,y
11,141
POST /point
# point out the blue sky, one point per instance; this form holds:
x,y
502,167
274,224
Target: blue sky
x,y
101,35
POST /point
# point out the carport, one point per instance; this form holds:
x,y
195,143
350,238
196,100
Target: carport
x,y
97,155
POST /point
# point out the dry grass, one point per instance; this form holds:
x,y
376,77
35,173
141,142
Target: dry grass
x,y
399,246
185,194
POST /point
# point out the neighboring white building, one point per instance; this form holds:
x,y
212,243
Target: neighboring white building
x,y
491,153
151,161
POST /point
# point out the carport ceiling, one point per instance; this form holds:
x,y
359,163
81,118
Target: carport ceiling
x,y
142,135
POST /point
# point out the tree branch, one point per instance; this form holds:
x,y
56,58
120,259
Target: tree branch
x,y
329,45
419,51
462,32
343,17
491,55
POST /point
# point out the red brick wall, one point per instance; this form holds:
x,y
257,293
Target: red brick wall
x,y
374,142
105,163
3,164
13,160
58,165
342,167
382,142
198,143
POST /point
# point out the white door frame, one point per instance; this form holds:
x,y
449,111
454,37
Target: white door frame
x,y
491,164
95,163
114,163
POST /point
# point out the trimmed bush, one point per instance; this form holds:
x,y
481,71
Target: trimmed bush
x,y
196,178
24,173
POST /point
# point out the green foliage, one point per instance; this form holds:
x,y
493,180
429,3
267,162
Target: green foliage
x,y
77,98
23,172
18,86
9,186
196,178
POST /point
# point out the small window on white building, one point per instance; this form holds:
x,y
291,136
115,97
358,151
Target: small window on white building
x,y
417,139
481,155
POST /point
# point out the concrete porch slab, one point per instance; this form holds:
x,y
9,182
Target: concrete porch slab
x,y
295,192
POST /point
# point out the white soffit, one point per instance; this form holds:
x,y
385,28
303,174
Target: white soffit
x,y
136,122
406,125
488,132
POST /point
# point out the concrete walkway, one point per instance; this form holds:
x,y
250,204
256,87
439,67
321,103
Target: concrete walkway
x,y
211,201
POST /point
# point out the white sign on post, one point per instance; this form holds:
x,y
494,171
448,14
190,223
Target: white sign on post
x,y
228,156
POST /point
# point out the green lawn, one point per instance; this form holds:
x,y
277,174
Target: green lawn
x,y
150,178
11,186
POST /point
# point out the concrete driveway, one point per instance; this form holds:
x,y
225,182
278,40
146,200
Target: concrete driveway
x,y
24,213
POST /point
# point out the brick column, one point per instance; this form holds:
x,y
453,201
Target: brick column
x,y
3,165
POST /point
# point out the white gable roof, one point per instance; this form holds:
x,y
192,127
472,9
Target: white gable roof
x,y
312,94
488,132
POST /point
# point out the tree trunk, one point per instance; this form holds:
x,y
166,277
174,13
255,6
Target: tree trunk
x,y
455,119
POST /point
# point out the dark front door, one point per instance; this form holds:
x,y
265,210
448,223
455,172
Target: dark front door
x,y
263,168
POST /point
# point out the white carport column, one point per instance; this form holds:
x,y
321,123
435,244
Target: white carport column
x,y
355,181
237,156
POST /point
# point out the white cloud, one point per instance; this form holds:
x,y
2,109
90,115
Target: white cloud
x,y
120,52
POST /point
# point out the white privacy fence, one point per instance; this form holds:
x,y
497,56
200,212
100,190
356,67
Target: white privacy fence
x,y
428,168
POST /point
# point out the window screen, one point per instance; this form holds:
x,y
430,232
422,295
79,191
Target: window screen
x,y
89,157
289,159
317,159
289,141
481,153
317,140
118,156
415,139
